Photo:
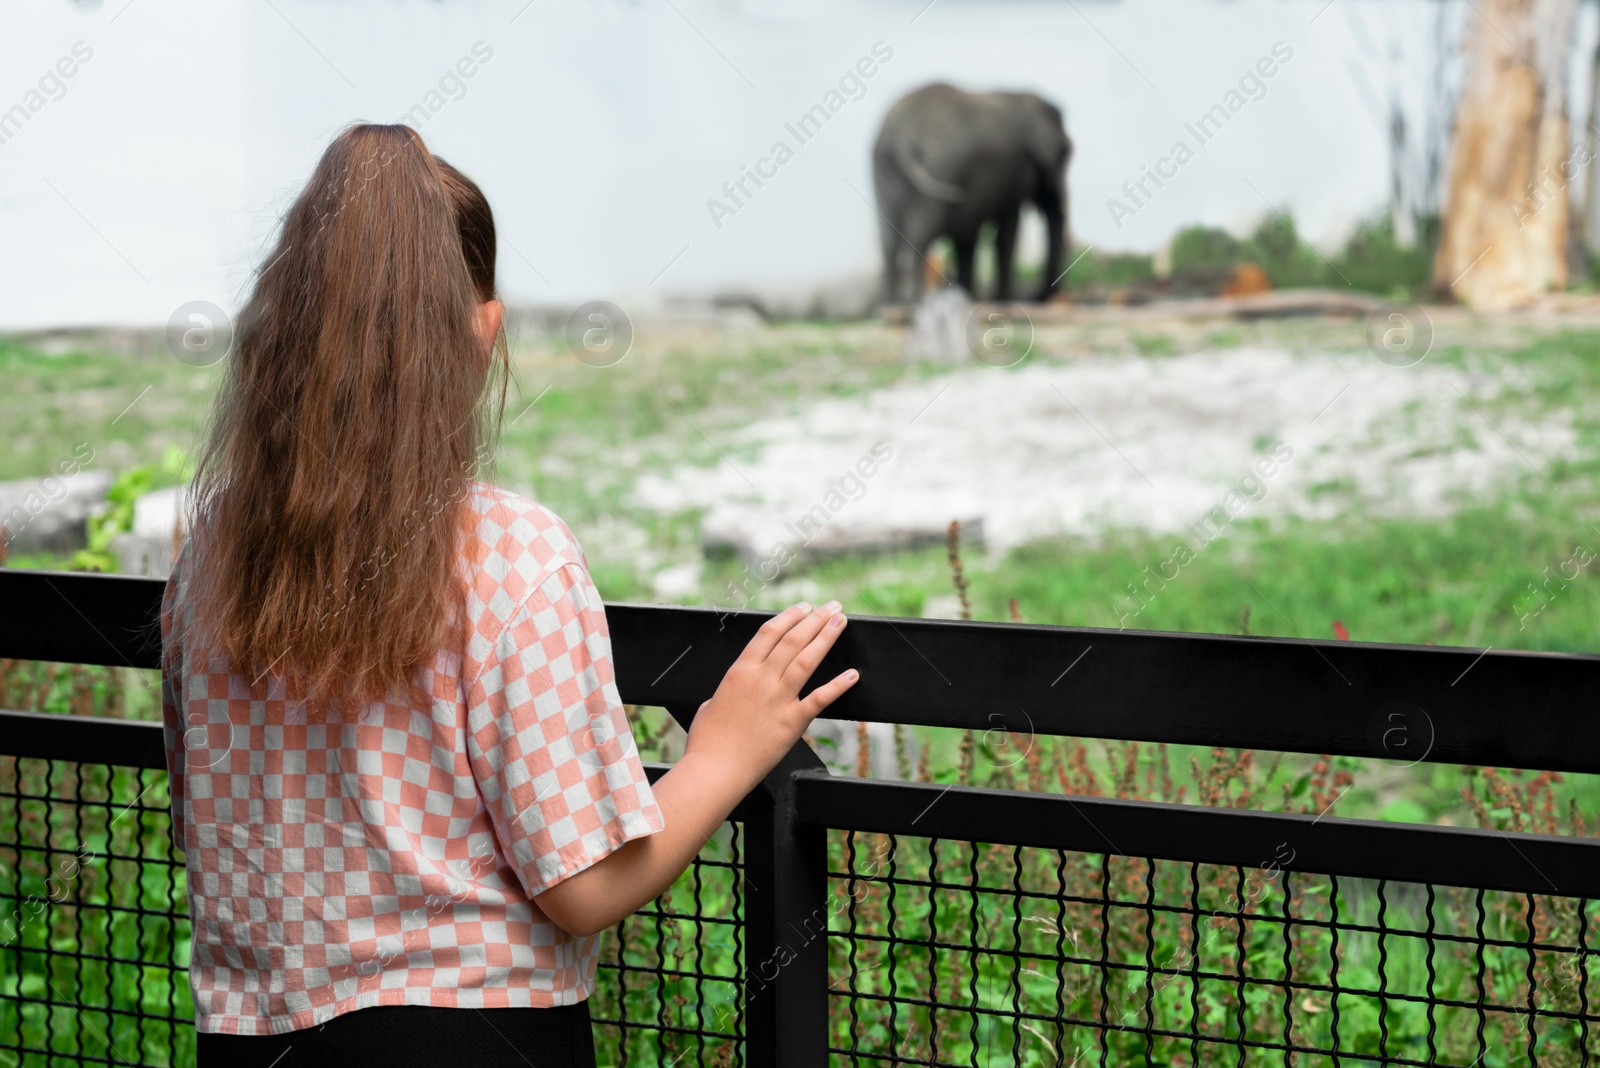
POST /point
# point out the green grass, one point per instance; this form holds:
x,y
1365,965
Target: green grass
x,y
128,410
1460,580
577,436
1154,345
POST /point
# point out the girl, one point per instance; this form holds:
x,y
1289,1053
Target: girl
x,y
402,778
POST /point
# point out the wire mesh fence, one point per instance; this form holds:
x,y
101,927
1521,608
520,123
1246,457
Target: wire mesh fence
x,y
962,953
941,952
94,935
669,986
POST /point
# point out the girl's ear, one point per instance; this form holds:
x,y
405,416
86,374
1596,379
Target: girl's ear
x,y
490,315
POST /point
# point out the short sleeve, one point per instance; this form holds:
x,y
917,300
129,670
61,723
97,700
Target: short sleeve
x,y
171,709
548,739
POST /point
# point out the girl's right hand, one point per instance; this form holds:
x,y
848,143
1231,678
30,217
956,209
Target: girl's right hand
x,y
756,715
737,737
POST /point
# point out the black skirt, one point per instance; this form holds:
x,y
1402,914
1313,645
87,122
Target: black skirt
x,y
397,1036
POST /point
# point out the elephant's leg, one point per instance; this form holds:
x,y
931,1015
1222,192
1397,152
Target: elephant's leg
x,y
919,228
1055,222
890,241
1005,250
967,263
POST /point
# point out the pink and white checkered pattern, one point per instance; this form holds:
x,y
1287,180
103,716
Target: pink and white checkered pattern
x,y
395,858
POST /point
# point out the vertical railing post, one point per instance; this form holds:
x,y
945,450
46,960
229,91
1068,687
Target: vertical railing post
x,y
786,925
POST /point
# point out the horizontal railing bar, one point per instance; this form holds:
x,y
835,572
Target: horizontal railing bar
x,y
80,618
125,743
1400,703
1301,844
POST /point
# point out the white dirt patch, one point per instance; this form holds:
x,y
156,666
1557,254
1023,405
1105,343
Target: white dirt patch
x,y
1124,442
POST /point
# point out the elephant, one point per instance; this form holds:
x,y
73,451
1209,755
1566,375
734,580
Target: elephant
x,y
947,161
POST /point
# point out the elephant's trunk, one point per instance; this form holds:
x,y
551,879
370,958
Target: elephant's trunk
x,y
924,181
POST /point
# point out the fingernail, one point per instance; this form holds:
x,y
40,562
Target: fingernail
x,y
837,621
804,606
832,606
852,675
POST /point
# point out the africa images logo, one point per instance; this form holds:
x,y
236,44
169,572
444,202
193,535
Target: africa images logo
x,y
1252,86
851,86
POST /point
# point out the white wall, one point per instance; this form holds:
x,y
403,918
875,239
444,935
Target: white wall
x,y
600,130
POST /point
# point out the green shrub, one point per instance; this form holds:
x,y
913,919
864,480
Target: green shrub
x,y
1374,262
117,518
1110,270
1205,248
1371,261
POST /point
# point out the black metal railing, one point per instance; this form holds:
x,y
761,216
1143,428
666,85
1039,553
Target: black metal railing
x,y
851,920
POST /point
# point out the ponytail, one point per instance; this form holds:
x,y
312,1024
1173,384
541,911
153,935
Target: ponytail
x,y
329,501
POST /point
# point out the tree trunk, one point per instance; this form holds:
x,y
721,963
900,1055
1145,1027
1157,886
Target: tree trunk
x,y
1591,144
1505,228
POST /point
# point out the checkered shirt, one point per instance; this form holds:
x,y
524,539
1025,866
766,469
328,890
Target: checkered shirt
x,y
395,857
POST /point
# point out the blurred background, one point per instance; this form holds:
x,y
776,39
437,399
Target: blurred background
x,y
600,130
1319,358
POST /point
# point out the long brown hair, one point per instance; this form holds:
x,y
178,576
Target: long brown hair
x,y
329,500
